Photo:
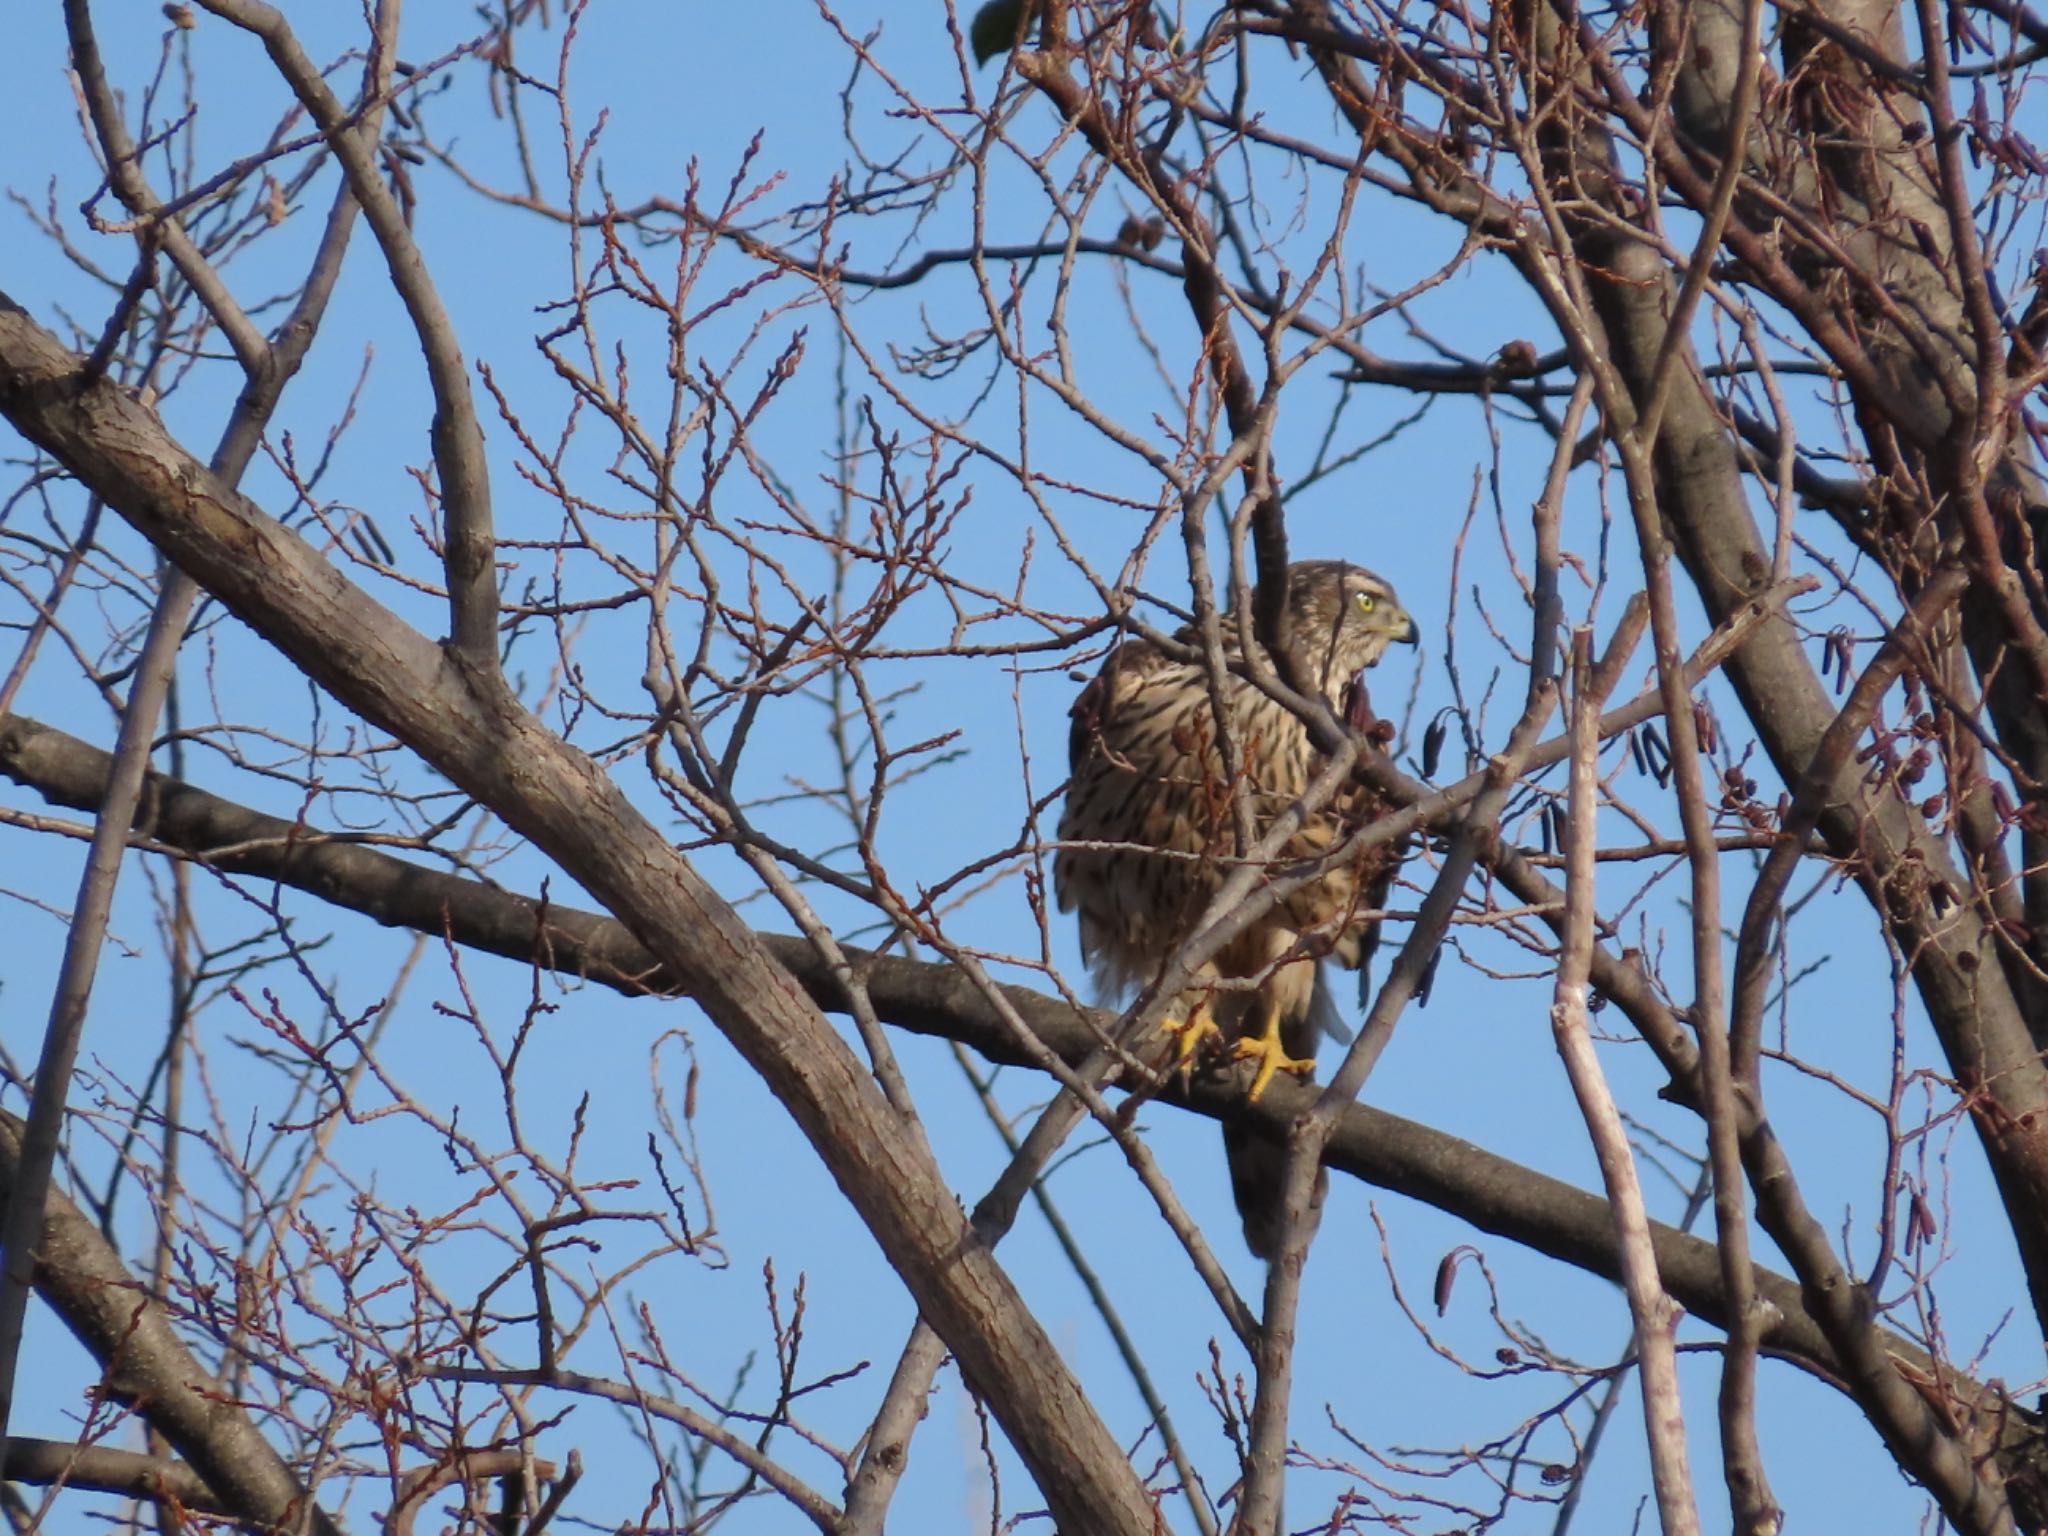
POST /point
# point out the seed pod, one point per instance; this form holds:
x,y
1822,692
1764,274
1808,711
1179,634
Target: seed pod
x,y
1920,1226
1422,987
1446,1276
1657,755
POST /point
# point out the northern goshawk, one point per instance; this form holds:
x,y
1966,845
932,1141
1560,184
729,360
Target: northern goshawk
x,y
1148,836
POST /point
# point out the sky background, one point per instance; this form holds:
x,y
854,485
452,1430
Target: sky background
x,y
694,85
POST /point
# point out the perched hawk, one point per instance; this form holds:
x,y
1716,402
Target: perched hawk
x,y
1148,836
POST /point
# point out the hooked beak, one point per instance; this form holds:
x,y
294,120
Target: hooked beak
x,y
1412,635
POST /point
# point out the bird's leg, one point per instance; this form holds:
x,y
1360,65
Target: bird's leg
x,y
1189,1034
1272,1055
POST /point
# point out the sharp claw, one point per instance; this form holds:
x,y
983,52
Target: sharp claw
x,y
1189,1035
1272,1058
1266,1048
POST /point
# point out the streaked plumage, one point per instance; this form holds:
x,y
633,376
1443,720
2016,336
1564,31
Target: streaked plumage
x,y
1146,774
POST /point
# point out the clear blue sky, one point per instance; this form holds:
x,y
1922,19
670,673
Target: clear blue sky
x,y
696,84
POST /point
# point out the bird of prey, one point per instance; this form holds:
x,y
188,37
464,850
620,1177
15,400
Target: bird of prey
x,y
1148,835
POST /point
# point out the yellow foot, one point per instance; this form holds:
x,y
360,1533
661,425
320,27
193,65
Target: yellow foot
x,y
1272,1058
1189,1036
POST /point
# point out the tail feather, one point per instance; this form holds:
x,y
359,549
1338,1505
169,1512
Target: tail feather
x,y
1258,1179
1324,1015
1258,1158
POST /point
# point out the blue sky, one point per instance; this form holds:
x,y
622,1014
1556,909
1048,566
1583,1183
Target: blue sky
x,y
688,84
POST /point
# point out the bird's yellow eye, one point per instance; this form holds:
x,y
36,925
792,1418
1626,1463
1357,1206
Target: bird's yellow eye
x,y
1365,602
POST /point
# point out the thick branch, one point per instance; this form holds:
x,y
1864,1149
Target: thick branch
x,y
1490,1192
472,731
145,1364
103,1469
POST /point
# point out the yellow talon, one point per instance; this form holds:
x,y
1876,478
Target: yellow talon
x,y
1272,1056
1189,1035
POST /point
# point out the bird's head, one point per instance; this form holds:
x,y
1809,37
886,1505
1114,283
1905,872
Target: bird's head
x,y
1343,618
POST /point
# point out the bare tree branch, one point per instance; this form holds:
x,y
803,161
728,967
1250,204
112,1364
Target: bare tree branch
x,y
484,741
146,1367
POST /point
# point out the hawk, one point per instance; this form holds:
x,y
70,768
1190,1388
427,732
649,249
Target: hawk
x,y
1148,835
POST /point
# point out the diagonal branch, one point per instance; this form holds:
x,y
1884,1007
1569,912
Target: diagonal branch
x,y
470,551
483,740
1491,1192
145,1364
104,1469
1649,1304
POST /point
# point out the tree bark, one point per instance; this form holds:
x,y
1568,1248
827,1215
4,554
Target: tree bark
x,y
469,727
